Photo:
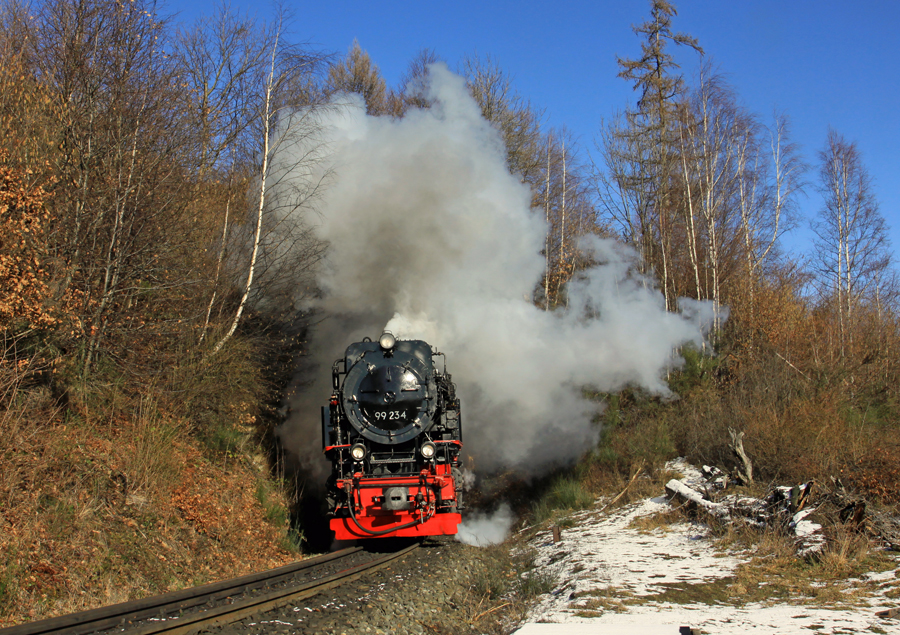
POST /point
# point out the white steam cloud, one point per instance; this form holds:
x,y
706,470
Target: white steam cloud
x,y
430,236
482,530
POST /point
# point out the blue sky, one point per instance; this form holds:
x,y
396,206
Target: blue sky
x,y
824,63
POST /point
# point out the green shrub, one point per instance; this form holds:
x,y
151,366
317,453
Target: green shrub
x,y
222,439
293,540
569,493
219,395
564,493
275,510
698,369
9,577
652,442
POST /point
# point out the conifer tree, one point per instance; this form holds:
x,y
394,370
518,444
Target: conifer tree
x,y
650,137
356,73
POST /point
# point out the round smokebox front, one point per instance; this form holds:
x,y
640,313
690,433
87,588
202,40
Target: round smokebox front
x,y
387,398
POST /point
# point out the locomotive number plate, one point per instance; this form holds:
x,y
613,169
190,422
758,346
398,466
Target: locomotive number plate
x,y
390,415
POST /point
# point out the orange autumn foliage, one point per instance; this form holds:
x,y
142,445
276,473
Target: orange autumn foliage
x,y
25,295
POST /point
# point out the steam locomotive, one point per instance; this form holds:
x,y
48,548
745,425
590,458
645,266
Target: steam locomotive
x,y
393,434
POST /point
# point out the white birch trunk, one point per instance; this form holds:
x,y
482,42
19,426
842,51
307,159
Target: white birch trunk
x,y
267,115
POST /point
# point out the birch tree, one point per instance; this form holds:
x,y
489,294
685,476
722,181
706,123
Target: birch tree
x,y
717,154
564,200
852,248
223,58
726,206
280,246
770,178
266,117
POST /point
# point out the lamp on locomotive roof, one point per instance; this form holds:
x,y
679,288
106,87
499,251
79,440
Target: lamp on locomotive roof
x,y
387,341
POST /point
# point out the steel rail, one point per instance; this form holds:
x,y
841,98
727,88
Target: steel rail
x,y
168,608
247,607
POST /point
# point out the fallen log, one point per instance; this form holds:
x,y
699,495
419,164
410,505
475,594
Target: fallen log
x,y
778,510
675,489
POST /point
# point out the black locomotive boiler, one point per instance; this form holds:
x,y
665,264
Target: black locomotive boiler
x,y
393,434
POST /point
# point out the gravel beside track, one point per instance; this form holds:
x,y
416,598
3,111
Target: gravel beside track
x,y
426,591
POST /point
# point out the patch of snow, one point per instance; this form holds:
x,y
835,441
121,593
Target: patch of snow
x,y
603,558
883,576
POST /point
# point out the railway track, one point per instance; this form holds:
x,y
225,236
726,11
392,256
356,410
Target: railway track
x,y
218,604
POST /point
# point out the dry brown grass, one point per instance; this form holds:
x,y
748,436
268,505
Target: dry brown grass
x,y
101,509
796,429
776,573
643,480
595,602
658,521
505,584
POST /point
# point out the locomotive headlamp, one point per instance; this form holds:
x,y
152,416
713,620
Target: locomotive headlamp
x,y
358,452
428,449
387,341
